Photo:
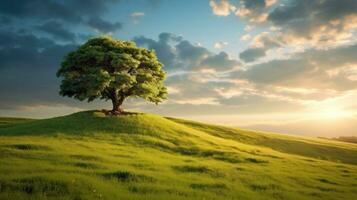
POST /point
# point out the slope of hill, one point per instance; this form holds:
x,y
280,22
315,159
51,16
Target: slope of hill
x,y
141,156
350,139
6,121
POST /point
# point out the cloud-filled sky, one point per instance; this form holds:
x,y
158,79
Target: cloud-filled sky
x,y
266,64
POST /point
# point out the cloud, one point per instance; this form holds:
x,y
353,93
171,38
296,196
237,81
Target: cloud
x,y
190,53
254,4
179,54
39,9
198,101
104,26
165,52
246,37
302,22
57,30
69,13
220,62
254,10
248,28
4,20
220,45
34,38
320,69
269,3
252,54
259,47
267,41
273,86
137,14
318,21
28,67
221,7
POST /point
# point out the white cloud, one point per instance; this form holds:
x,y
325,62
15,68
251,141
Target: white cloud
x,y
220,45
243,12
137,14
222,7
173,90
198,101
248,28
246,37
269,3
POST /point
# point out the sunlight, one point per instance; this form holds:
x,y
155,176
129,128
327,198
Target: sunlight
x,y
334,112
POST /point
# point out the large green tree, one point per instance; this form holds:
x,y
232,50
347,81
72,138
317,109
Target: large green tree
x,y
110,69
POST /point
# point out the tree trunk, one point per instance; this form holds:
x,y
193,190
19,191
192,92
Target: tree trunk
x,y
117,108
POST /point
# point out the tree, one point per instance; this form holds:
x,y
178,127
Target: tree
x,y
110,69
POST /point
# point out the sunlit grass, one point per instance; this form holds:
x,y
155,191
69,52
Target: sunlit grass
x,y
141,156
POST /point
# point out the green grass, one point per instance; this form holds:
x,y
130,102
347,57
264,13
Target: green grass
x,y
7,121
141,156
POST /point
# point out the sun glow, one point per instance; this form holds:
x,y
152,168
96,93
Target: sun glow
x,y
331,109
334,113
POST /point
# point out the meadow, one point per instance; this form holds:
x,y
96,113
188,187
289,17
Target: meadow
x,y
87,155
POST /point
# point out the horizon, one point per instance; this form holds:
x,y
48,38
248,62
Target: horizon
x,y
285,66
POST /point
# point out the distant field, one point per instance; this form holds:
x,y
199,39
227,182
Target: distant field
x,y
346,139
141,156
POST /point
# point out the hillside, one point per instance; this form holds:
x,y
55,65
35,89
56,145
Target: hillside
x,y
142,156
6,121
350,139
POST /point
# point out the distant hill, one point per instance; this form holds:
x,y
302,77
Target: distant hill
x,y
87,155
350,139
325,128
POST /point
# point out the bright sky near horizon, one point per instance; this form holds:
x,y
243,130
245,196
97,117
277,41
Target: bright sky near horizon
x,y
277,65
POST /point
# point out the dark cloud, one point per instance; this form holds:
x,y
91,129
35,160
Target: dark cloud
x,y
261,44
40,9
255,5
34,37
252,54
165,52
320,69
303,18
179,54
71,11
278,71
299,22
57,30
333,57
28,67
56,17
220,62
104,26
191,53
267,41
320,11
5,20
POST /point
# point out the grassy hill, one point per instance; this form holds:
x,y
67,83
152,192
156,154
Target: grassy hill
x,y
6,121
141,156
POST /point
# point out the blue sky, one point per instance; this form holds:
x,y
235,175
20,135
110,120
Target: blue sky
x,y
266,64
193,20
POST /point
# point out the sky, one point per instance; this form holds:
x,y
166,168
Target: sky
x,y
286,66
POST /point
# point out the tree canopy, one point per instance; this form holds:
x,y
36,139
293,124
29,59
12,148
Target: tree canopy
x,y
110,69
